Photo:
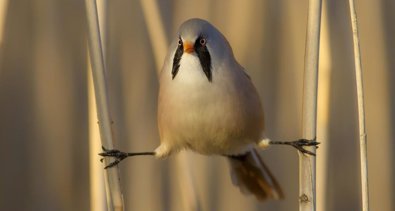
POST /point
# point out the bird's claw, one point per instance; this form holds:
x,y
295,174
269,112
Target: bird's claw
x,y
114,153
301,143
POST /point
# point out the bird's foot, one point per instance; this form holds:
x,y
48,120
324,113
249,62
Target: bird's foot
x,y
114,153
300,144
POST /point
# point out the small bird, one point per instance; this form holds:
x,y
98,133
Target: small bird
x,y
208,104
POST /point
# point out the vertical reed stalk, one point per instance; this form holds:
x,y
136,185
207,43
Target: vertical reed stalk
x,y
156,31
323,118
159,43
97,185
307,199
97,190
361,109
113,186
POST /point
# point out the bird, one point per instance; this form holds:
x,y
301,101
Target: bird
x,y
207,103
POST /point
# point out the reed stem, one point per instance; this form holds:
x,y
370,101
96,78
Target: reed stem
x,y
307,172
361,108
112,180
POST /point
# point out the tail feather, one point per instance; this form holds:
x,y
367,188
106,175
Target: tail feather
x,y
251,175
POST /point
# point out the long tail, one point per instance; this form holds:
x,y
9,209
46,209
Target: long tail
x,y
251,175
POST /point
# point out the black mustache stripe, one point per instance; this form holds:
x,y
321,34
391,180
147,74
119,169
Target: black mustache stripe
x,y
204,58
176,60
202,53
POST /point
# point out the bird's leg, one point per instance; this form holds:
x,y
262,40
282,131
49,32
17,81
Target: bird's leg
x,y
119,155
298,144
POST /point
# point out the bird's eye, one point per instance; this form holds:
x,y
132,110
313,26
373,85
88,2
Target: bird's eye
x,y
179,42
202,41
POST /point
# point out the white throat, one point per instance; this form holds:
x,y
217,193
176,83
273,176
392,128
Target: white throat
x,y
190,71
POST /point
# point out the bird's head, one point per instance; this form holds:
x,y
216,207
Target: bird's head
x,y
199,38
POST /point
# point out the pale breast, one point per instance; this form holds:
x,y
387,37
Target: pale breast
x,y
218,117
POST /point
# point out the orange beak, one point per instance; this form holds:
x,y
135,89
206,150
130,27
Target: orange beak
x,y
188,47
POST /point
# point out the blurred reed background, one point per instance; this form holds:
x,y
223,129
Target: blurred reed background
x,y
44,105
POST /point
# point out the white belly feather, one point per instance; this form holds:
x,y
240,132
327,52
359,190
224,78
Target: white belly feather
x,y
208,117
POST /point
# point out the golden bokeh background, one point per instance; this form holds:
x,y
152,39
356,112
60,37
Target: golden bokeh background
x,y
44,132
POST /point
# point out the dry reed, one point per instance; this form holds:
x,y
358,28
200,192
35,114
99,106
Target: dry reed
x,y
307,173
113,187
361,109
